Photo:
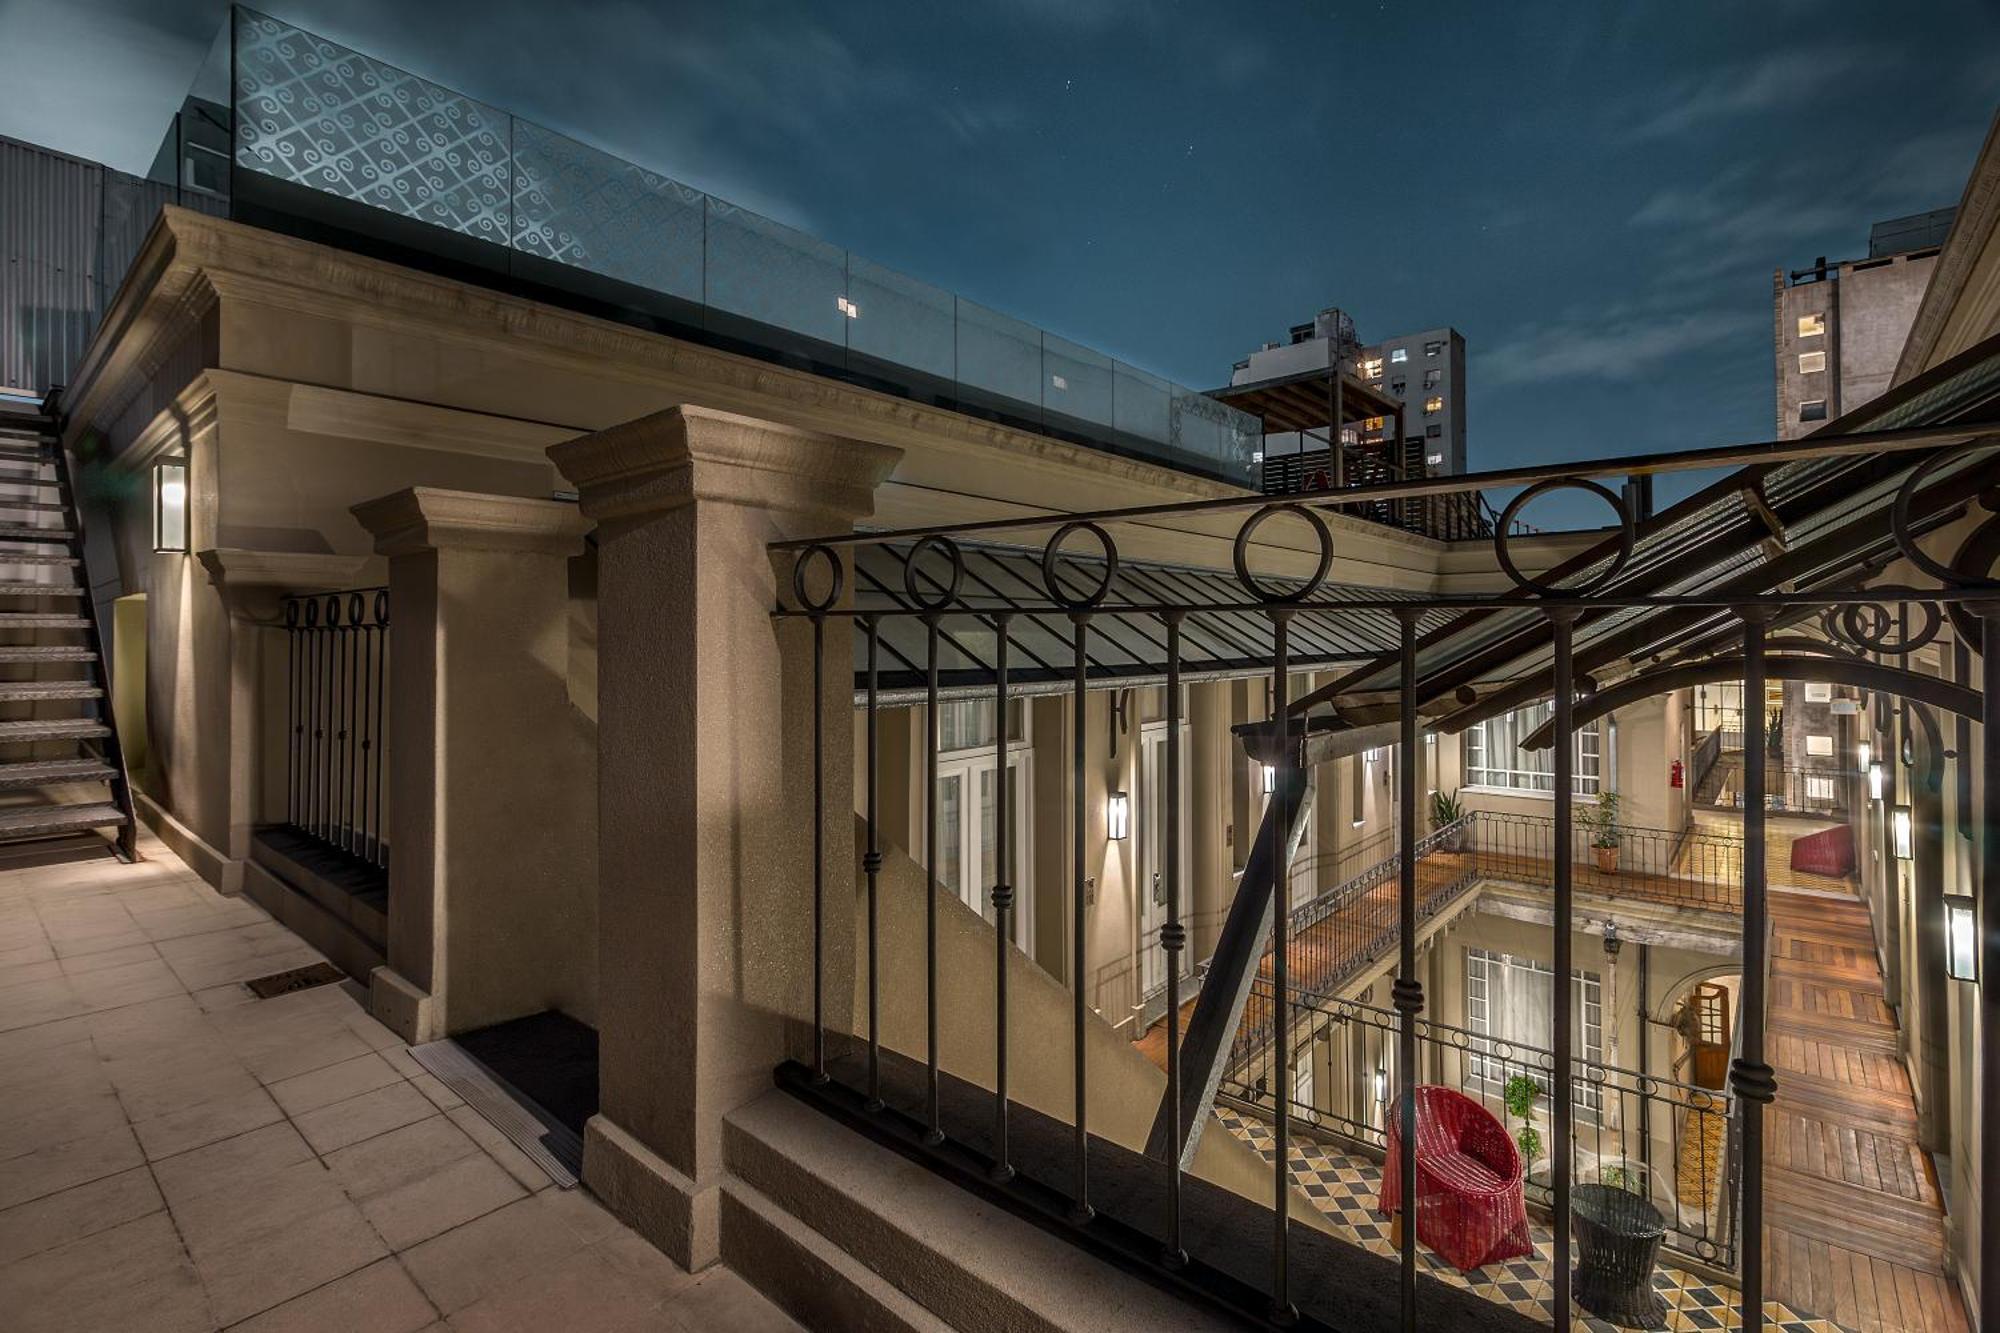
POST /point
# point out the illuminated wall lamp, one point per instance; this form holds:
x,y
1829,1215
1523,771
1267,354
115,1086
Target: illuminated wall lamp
x,y
1118,816
170,496
1961,938
1270,778
1875,781
1381,1085
1899,825
1862,751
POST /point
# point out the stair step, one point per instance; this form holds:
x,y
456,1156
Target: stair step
x,y
40,590
37,821
25,532
30,558
32,506
40,772
36,620
53,729
30,453
24,691
45,653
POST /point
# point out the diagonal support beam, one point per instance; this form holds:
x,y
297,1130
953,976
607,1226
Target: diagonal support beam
x,y
1218,1011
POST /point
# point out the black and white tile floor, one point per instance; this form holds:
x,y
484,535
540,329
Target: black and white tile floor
x,y
1344,1188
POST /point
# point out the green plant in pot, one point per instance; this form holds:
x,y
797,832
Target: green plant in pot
x,y
1521,1093
1446,811
1602,821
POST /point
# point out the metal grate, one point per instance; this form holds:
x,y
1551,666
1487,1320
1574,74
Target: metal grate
x,y
295,979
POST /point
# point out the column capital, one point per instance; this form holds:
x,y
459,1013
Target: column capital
x,y
424,518
686,454
253,582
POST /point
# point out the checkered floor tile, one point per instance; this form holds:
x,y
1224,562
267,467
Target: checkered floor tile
x,y
1344,1188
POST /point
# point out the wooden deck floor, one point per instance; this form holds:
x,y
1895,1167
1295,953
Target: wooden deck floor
x,y
1855,1224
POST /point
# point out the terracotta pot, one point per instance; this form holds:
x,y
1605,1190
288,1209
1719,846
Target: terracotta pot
x,y
1607,859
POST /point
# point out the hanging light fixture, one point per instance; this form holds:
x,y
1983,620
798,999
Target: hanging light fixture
x,y
170,521
1118,816
1270,778
1961,938
1862,751
1899,823
1875,780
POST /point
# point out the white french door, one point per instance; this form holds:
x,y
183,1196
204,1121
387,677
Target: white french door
x,y
1153,847
967,834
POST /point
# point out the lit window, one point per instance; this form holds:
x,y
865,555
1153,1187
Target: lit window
x,y
1433,405
1435,460
1810,362
1434,349
1811,326
1818,787
1059,381
1372,423
1433,377
848,308
1509,1006
1819,747
1399,354
1494,757
1813,409
1371,368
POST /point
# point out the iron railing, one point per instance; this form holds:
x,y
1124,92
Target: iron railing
x,y
1666,1140
1453,517
1689,868
337,690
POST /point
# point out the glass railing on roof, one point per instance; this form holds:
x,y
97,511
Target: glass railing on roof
x,y
314,118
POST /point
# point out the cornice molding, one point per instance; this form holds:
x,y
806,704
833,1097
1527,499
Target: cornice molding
x,y
424,518
1971,233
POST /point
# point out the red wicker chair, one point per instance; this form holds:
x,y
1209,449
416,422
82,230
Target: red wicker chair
x,y
1469,1204
1829,852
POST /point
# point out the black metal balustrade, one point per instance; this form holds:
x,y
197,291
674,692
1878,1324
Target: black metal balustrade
x,y
337,691
1618,601
1667,1140
1691,867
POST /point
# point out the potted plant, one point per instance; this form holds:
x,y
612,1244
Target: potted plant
x,y
1446,811
1521,1093
1602,821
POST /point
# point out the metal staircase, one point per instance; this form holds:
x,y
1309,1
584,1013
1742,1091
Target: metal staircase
x,y
61,770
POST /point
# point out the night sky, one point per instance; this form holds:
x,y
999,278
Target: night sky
x,y
1594,193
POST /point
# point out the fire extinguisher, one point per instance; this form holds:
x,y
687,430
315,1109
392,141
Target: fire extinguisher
x,y
1674,777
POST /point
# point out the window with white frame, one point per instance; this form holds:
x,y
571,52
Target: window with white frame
x,y
1494,757
967,808
1510,1005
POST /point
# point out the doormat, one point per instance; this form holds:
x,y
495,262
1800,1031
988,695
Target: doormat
x,y
295,979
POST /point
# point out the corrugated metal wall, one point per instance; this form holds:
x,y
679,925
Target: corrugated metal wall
x,y
68,231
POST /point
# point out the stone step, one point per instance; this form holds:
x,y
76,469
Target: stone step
x,y
44,772
40,590
36,620
31,506
52,729
29,532
42,652
32,558
39,821
28,691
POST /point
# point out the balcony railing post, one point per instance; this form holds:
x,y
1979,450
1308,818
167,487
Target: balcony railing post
x,y
1081,1210
871,861
819,846
1173,938
1987,917
1751,1078
1407,990
1562,621
933,1127
1282,1310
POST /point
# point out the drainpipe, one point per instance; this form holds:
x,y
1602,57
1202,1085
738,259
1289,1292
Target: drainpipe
x,y
1645,1059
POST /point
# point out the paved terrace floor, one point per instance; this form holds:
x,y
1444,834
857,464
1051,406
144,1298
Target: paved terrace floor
x,y
178,1155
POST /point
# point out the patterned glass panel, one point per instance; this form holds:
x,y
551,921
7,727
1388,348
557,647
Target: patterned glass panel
x,y
1139,403
1076,382
578,206
319,115
777,275
900,320
999,354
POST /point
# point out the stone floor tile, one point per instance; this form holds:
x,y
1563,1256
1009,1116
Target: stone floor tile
x,y
399,1156
62,1166
719,1299
41,1036
474,1260
260,1204
332,1128
580,1211
282,1045
20,974
49,1118
272,1265
83,946
435,1091
634,1256
134,1276
189,1075
207,1122
58,1219
580,1291
35,1002
501,1149
129,983
27,952
335,1083
426,1207
232,1163
78,964
380,1298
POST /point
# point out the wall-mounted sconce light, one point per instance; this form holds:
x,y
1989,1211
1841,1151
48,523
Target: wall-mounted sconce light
x,y
1899,824
1961,938
170,494
1862,751
1612,944
1118,816
1270,778
1875,780
1381,1085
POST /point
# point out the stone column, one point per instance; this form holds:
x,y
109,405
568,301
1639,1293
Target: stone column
x,y
253,586
705,790
491,801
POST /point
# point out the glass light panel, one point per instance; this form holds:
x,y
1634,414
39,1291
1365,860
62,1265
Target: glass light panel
x,y
170,518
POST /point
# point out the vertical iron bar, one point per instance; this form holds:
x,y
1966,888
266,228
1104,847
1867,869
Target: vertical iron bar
x,y
292,724
344,806
933,1132
365,655
1279,825
381,688
1987,917
1750,1076
819,846
1080,1209
1407,990
871,865
1003,901
1172,939
1563,1090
